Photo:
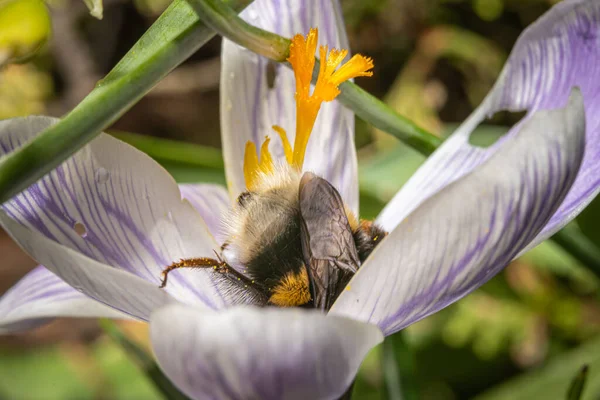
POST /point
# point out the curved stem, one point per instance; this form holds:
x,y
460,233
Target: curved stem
x,y
224,20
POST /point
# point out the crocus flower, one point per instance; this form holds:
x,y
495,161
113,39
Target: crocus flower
x,y
109,220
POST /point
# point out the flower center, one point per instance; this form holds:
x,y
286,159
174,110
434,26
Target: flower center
x,y
302,59
267,230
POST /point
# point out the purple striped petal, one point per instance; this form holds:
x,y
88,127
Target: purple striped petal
x,y
465,234
249,107
40,296
252,353
114,204
211,201
114,287
559,51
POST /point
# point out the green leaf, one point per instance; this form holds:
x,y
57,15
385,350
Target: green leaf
x,y
41,373
174,150
588,221
551,257
577,385
553,380
384,174
24,27
144,361
186,162
185,173
122,378
571,239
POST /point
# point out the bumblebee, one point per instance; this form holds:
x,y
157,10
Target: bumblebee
x,y
290,243
291,240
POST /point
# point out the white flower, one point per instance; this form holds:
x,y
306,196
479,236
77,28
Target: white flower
x,y
109,219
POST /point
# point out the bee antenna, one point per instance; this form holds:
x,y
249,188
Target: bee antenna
x,y
219,259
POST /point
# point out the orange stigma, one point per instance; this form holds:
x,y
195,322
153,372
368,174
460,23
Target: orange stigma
x,y
302,59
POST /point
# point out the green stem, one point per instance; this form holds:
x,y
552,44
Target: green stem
x,y
391,372
143,360
372,110
175,36
398,369
366,106
574,242
227,23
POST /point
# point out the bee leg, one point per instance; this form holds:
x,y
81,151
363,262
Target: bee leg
x,y
217,265
201,262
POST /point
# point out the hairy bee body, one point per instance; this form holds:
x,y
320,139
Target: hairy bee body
x,y
290,242
294,238
263,233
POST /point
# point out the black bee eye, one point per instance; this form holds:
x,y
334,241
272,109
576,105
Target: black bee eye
x,y
243,198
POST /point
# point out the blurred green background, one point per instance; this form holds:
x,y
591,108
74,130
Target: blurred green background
x,y
524,335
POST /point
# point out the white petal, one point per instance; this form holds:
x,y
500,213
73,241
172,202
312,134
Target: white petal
x,y
111,286
252,353
114,204
211,201
41,295
557,52
465,234
249,107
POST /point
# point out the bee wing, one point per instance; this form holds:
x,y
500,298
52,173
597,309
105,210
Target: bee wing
x,y
327,242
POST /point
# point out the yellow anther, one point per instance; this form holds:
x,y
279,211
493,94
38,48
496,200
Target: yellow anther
x,y
266,161
252,166
287,148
